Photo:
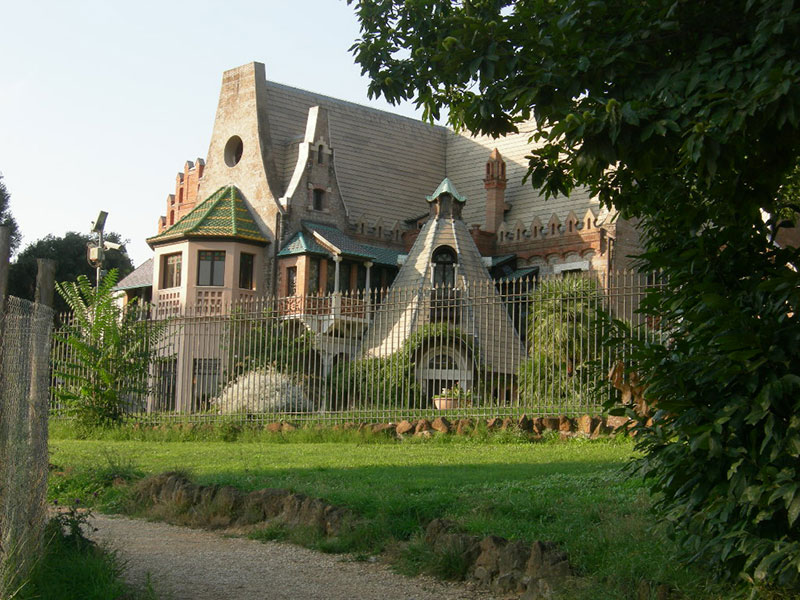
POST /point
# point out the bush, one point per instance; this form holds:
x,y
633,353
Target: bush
x,y
564,337
723,453
109,353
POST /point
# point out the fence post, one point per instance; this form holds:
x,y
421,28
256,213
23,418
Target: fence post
x,y
45,281
5,251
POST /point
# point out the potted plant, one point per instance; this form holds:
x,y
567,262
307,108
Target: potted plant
x,y
452,397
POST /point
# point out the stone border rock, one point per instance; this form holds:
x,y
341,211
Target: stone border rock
x,y
586,426
212,506
535,570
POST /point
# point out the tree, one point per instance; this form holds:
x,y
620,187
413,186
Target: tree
x,y
6,218
69,252
106,365
687,116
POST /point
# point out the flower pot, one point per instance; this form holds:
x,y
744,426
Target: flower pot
x,y
445,402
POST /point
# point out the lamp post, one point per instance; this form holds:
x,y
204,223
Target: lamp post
x,y
96,257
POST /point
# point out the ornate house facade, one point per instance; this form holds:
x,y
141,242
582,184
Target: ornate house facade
x,y
303,195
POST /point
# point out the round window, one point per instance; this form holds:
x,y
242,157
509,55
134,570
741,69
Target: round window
x,y
233,151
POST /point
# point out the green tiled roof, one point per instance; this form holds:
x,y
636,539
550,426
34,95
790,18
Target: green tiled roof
x,y
303,242
346,245
224,214
384,256
521,273
446,187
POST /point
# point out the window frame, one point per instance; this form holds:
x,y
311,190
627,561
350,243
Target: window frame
x,y
213,268
251,275
171,272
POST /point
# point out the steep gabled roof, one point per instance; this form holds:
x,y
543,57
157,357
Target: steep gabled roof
x,y
224,214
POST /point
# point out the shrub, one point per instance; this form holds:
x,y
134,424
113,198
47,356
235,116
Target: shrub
x,y
564,337
109,353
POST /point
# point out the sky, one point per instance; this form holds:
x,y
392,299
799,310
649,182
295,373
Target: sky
x,y
102,102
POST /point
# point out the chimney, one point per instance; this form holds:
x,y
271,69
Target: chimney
x,y
495,184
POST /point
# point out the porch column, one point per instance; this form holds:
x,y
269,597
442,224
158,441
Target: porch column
x,y
368,265
337,258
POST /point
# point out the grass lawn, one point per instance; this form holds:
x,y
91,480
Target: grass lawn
x,y
573,493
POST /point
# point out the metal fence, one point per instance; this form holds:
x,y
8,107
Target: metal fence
x,y
26,330
494,349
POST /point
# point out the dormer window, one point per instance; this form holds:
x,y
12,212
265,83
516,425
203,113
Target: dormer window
x,y
444,267
318,199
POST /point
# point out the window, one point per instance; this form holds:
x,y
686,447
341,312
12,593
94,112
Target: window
x,y
444,272
211,267
313,275
291,281
319,199
320,154
171,270
246,262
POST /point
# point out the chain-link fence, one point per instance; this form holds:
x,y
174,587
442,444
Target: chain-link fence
x,y
494,349
26,330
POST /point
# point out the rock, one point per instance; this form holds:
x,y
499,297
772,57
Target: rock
x,y
505,583
227,500
404,427
287,427
663,592
508,422
262,390
465,426
493,423
536,425
525,424
586,424
349,425
422,425
616,423
550,423
363,426
426,433
514,557
565,424
546,560
273,427
486,565
441,425
565,435
599,429
436,528
387,428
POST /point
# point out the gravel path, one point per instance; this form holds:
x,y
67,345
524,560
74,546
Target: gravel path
x,y
193,564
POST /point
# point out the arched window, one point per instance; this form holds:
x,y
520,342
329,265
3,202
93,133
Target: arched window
x,y
444,271
172,217
320,155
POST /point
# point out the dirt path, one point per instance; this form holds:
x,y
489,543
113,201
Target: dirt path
x,y
192,564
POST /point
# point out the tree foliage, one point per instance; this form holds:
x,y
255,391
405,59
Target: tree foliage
x,y
108,353
69,252
6,218
685,115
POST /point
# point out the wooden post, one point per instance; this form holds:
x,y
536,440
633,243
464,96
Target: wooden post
x,y
45,281
5,251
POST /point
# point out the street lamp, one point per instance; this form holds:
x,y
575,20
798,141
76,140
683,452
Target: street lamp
x,y
97,254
